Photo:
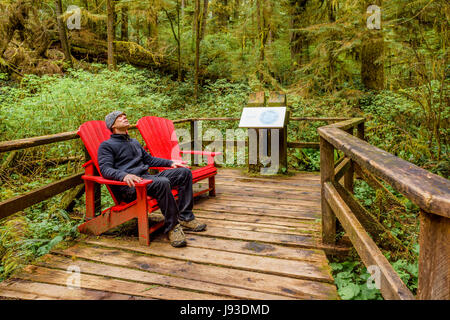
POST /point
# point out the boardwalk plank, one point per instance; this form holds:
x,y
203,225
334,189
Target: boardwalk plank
x,y
262,242
290,204
59,277
272,284
252,203
256,248
272,182
284,194
274,187
301,241
271,221
125,273
27,289
307,215
300,230
296,269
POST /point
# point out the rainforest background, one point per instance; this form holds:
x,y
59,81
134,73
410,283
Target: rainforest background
x,y
66,62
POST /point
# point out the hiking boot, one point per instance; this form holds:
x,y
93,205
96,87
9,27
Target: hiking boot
x,y
155,217
193,225
176,237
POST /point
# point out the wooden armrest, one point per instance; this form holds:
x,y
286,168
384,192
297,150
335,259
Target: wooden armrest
x,y
205,153
209,154
90,162
160,168
101,180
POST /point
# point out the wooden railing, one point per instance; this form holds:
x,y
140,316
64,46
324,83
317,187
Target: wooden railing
x,y
431,193
21,202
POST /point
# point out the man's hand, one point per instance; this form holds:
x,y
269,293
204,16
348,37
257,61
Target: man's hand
x,y
130,179
179,164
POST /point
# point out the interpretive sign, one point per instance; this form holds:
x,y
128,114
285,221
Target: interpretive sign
x,y
264,117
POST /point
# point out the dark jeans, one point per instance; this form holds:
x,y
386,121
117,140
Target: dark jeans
x,y
161,190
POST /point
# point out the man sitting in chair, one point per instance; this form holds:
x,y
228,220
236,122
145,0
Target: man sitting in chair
x,y
122,158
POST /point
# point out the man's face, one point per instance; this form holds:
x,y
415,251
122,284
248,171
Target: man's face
x,y
121,122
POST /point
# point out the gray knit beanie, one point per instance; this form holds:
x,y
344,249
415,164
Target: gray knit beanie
x,y
111,118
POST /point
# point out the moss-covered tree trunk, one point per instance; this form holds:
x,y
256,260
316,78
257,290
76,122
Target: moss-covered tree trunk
x,y
62,32
110,33
197,20
372,54
296,38
124,23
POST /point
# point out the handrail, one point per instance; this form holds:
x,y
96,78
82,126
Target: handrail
x,y
425,189
428,191
11,206
19,144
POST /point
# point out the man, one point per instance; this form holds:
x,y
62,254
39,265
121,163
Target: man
x,y
123,158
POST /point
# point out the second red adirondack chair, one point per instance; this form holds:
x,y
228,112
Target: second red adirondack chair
x,y
161,140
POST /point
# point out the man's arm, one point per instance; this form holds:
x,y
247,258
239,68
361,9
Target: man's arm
x,y
154,161
106,164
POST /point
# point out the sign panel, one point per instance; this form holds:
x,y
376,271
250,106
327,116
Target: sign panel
x,y
264,117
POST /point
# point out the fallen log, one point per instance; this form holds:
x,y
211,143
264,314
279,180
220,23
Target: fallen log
x,y
86,44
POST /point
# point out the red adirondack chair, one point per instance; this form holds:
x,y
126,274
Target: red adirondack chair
x,y
161,140
93,133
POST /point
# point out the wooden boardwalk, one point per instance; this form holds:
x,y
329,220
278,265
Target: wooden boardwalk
x,y
262,242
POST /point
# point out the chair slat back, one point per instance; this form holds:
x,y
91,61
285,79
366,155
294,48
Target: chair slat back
x,y
93,133
160,137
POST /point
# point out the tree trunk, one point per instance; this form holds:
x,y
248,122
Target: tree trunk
x,y
331,58
62,33
110,34
197,47
236,9
372,55
223,14
204,18
86,4
124,24
179,40
259,19
297,38
152,40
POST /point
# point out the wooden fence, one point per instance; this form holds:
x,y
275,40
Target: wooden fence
x,y
429,191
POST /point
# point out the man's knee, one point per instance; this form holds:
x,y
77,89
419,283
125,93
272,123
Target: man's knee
x,y
185,172
160,182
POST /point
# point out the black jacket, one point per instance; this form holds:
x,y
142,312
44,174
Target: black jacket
x,y
121,155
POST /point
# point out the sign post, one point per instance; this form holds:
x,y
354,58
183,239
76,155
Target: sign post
x,y
267,133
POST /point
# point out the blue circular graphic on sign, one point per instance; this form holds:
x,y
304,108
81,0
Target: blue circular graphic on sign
x,y
268,117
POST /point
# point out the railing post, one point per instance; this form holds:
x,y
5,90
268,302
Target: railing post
x,y
327,174
434,255
360,128
349,174
192,129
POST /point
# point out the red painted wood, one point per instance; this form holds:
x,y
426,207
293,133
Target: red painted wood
x,y
93,133
141,208
162,142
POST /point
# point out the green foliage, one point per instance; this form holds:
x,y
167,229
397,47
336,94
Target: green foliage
x,y
351,279
398,124
53,104
408,272
33,234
